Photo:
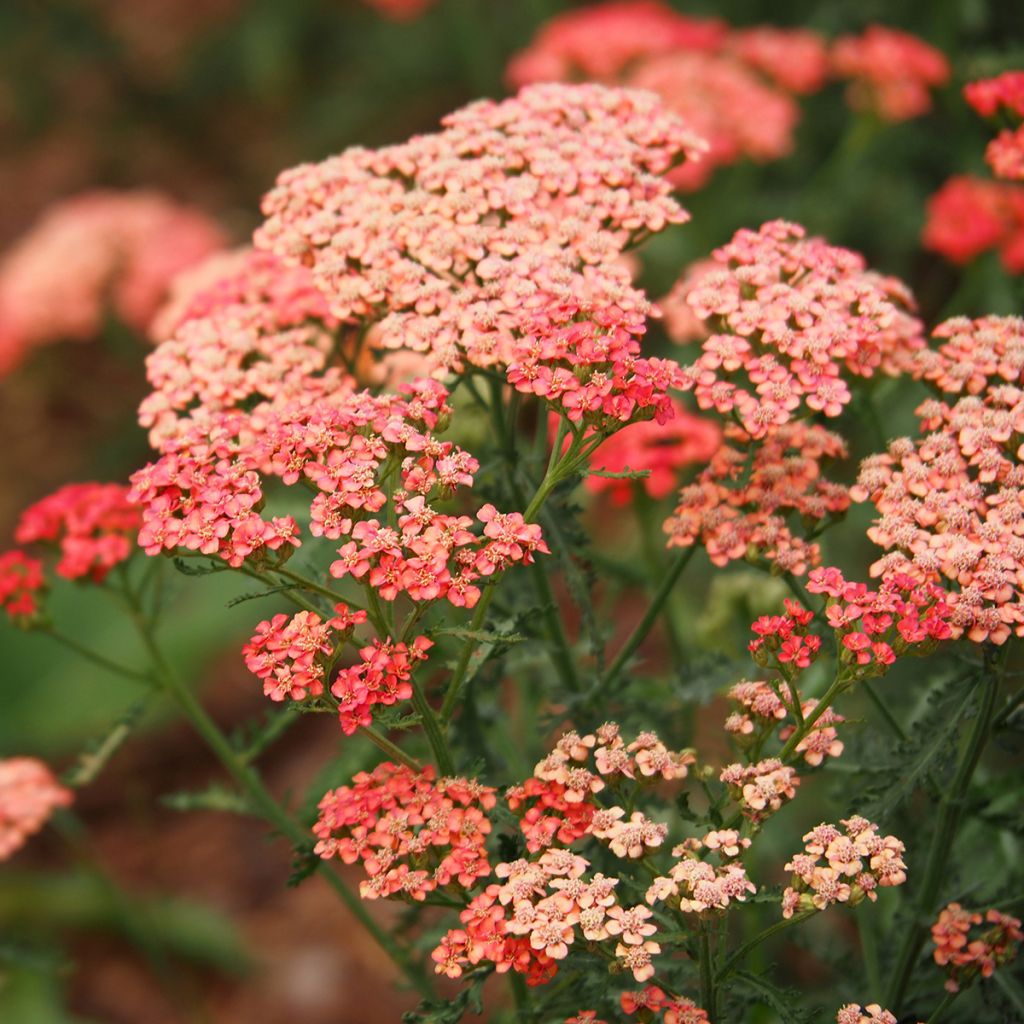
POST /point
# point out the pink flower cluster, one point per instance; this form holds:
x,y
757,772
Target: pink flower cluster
x,y
1002,94
760,788
673,1010
974,355
854,1013
949,506
738,506
733,87
411,832
91,524
891,73
842,866
291,655
696,886
661,450
792,318
969,216
92,254
21,584
455,244
966,957
29,794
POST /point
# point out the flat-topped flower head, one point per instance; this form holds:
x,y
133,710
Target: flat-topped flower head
x,y
872,1013
1002,95
969,944
29,794
452,243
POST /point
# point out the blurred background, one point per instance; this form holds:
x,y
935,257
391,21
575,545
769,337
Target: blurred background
x,y
206,101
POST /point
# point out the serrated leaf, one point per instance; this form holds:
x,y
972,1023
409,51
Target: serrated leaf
x,y
257,594
449,1011
479,635
96,756
785,1002
626,474
188,569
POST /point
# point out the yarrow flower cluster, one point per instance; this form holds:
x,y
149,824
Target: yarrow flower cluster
x,y
92,254
891,73
949,502
842,866
92,526
969,945
695,885
457,243
22,582
29,794
412,833
1003,94
761,788
854,1013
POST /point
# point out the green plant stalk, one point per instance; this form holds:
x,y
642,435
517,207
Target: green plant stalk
x,y
432,728
887,716
941,847
707,973
382,743
839,684
267,807
644,626
940,1011
738,957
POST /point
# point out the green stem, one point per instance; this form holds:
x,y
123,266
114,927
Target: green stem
x,y
950,814
462,665
887,716
643,627
381,741
431,726
312,585
740,955
99,659
940,1011
267,807
707,972
839,684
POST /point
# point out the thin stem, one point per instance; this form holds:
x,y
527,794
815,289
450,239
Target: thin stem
x,y
431,726
99,659
950,814
643,627
940,1011
267,806
1008,709
887,716
707,973
465,655
381,741
839,684
740,955
312,585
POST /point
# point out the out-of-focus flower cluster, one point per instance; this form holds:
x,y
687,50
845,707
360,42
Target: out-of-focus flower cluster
x,y
969,945
949,502
842,866
29,794
96,254
854,1013
1003,94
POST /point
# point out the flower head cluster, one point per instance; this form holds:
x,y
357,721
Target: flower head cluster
x,y
733,87
697,886
854,1013
792,319
291,655
968,944
94,253
949,506
973,355
669,1009
969,216
761,788
22,582
891,73
739,506
843,866
455,244
92,525
411,832
29,794
1002,94
661,450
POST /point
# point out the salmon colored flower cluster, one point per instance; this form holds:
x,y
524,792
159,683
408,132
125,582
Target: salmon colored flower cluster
x,y
969,216
412,833
455,244
92,526
696,886
968,944
291,655
661,450
854,1013
761,788
733,86
793,319
891,73
656,1001
29,794
974,355
92,255
741,505
1003,94
842,866
22,582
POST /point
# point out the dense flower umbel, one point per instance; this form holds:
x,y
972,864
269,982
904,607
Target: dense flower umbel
x,y
91,524
854,1013
29,794
740,505
760,789
654,1001
1002,94
892,73
843,866
994,942
92,253
793,318
974,355
457,243
695,885
969,216
21,585
950,507
412,833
